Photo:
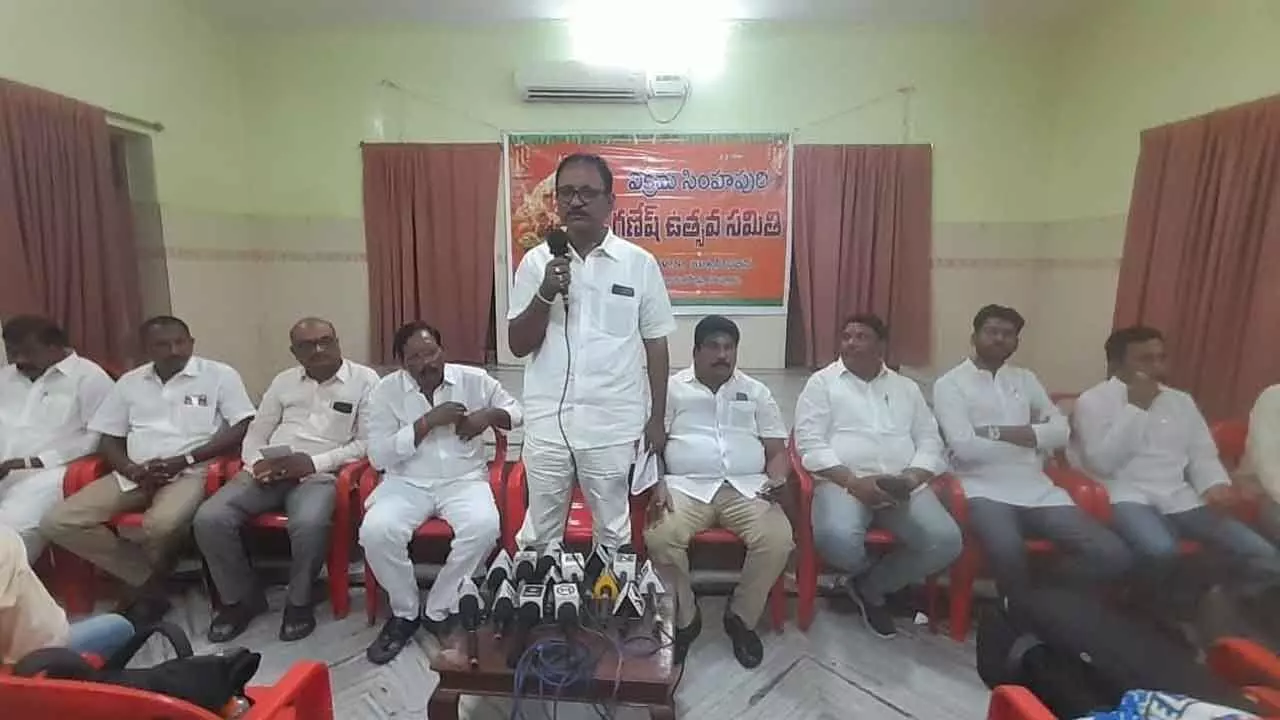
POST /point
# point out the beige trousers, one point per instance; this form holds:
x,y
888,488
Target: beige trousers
x,y
762,526
79,523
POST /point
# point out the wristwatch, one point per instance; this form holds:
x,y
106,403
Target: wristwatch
x,y
189,459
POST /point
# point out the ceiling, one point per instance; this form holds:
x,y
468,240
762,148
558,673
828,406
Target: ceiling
x,y
290,14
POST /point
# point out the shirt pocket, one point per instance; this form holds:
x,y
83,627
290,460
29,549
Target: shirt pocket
x,y
742,415
195,419
54,409
619,316
334,424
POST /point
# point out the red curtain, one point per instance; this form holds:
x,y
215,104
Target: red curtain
x,y
429,217
66,248
1202,252
862,241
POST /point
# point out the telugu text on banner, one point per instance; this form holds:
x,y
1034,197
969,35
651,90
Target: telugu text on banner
x,y
712,208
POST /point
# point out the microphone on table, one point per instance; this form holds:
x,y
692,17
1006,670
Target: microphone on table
x,y
546,562
525,561
573,568
568,605
500,570
558,244
528,614
603,592
624,564
503,609
596,564
650,586
629,606
469,613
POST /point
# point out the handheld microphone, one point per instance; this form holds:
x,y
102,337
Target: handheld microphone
x,y
573,567
558,244
546,562
526,561
568,605
624,564
528,613
503,609
469,613
499,571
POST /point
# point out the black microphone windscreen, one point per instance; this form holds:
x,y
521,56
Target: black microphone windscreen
x,y
558,242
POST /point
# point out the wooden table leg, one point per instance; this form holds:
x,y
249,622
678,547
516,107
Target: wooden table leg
x,y
662,712
443,705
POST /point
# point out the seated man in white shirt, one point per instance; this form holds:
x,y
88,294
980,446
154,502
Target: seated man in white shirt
x,y
999,424
161,425
311,420
867,435
1150,446
426,423
1259,476
48,394
726,457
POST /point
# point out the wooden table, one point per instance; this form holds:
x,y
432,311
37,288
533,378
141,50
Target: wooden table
x,y
646,681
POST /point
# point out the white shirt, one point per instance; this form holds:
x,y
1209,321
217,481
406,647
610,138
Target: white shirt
x,y
1164,456
714,438
1262,449
170,419
324,420
617,300
49,418
397,402
968,397
880,427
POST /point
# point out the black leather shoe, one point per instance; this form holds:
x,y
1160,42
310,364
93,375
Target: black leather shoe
x,y
298,622
232,620
684,638
440,629
394,636
746,643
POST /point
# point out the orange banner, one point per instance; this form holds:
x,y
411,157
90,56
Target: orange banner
x,y
711,208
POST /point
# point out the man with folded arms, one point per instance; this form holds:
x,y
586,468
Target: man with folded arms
x,y
999,424
868,436
161,425
312,420
426,423
1149,445
48,394
726,457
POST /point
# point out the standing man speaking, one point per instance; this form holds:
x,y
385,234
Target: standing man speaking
x,y
590,320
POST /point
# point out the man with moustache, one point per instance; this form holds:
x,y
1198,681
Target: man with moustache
x,y
1000,425
316,410
425,426
1151,448
160,425
584,387
726,458
48,394
867,435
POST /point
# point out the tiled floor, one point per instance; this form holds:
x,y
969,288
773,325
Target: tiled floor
x,y
835,670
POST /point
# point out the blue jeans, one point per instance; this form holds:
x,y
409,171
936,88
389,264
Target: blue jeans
x,y
1236,555
928,538
101,635
1090,552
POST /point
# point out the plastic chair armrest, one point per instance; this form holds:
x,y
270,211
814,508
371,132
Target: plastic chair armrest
x,y
304,690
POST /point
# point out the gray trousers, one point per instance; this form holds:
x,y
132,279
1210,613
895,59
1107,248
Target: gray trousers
x,y
307,503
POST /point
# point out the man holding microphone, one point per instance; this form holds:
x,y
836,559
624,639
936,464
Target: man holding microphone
x,y
584,384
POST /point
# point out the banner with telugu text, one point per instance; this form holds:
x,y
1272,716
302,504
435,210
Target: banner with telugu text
x,y
712,208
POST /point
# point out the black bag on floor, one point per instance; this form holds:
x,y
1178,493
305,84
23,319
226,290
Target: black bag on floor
x,y
209,681
1079,655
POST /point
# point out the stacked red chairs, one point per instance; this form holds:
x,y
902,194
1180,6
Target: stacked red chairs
x,y
304,693
341,537
434,529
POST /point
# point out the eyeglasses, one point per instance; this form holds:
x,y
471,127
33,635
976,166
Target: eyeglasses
x,y
314,346
565,193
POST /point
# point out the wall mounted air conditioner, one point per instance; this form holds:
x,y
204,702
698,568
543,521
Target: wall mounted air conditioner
x,y
581,83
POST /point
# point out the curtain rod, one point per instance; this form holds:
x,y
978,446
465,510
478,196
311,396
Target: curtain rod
x,y
145,124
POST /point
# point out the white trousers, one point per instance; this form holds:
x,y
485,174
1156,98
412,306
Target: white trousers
x,y
603,477
396,509
25,497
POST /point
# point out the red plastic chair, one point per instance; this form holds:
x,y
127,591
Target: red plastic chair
x,y
434,528
1231,437
966,569
302,694
81,576
578,531
1014,702
807,555
340,538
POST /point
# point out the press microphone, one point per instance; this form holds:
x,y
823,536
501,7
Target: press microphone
x,y
503,609
624,564
526,561
573,568
568,605
469,613
548,560
596,564
528,613
604,591
558,244
500,571
650,586
629,606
